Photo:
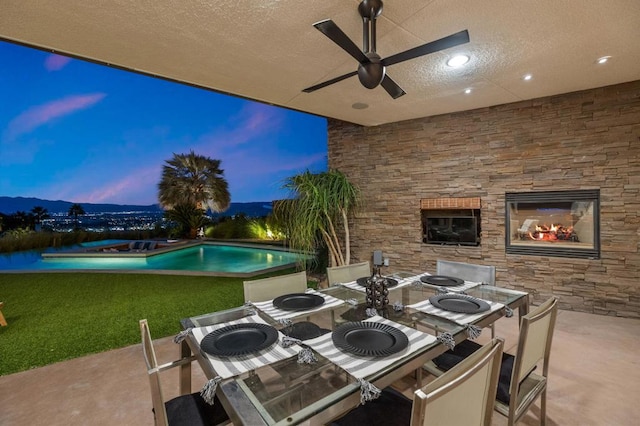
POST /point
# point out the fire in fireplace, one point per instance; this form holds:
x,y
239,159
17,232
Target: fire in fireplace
x,y
553,233
553,223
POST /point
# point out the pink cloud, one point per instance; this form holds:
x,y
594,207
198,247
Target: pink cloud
x,y
253,121
55,62
137,187
42,114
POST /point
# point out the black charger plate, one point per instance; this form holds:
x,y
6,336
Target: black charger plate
x,y
460,303
390,281
298,301
441,280
369,338
239,339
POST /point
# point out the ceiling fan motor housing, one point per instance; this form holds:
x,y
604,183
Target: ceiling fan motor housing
x,y
370,9
371,73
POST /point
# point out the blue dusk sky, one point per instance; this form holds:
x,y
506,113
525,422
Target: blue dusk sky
x,y
86,133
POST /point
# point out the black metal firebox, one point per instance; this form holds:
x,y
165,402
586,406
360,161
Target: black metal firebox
x,y
553,223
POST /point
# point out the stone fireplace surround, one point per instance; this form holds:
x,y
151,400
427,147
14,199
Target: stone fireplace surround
x,y
581,140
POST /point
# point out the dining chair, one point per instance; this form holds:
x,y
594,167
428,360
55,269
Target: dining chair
x,y
485,274
264,289
347,273
183,410
519,387
462,396
467,271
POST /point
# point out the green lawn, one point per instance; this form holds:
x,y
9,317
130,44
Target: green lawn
x,y
58,316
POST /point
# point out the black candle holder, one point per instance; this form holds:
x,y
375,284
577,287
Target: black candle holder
x,y
377,292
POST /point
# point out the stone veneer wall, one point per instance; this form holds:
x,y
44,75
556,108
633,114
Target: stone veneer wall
x,y
582,140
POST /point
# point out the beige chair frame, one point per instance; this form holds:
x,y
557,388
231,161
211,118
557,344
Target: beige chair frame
x,y
264,289
534,345
347,273
472,383
154,370
469,272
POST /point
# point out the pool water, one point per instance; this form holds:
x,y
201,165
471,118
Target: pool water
x,y
102,243
201,258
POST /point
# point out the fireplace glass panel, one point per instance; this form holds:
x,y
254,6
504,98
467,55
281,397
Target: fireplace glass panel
x,y
451,227
558,223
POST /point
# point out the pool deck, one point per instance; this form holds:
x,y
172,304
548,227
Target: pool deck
x,y
120,250
163,246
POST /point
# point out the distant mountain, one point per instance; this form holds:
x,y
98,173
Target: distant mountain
x,y
10,205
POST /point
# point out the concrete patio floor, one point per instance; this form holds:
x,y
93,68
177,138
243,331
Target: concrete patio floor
x,y
594,380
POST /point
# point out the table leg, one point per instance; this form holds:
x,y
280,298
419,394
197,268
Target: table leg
x,y
185,369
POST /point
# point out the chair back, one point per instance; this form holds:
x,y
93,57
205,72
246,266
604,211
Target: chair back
x,y
154,374
534,343
467,271
465,394
268,288
347,273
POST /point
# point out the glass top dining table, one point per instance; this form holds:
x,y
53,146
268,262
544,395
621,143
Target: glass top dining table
x,y
289,392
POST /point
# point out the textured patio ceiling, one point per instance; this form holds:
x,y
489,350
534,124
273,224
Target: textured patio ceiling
x,y
268,50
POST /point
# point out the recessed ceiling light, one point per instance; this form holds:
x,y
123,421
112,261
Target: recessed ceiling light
x,y
458,61
527,77
359,105
603,59
467,91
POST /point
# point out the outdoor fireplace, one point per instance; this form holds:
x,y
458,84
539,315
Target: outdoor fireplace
x,y
553,223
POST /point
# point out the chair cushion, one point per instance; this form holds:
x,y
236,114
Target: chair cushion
x,y
451,358
389,409
192,410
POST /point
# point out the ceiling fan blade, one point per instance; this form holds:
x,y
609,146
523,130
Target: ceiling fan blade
x,y
331,30
434,46
329,82
392,87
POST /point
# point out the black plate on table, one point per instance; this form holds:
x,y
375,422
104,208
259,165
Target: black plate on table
x,y
460,303
298,301
441,280
390,281
369,338
239,339
303,330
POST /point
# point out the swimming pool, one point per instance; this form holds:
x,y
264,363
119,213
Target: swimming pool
x,y
201,259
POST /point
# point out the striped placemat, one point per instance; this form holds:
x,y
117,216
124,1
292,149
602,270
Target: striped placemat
x,y
353,285
362,366
278,314
227,367
463,319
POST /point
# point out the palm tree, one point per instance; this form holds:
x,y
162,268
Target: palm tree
x,y
188,216
21,218
196,180
318,213
76,210
40,213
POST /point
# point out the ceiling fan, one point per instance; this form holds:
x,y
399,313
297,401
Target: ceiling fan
x,y
372,69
